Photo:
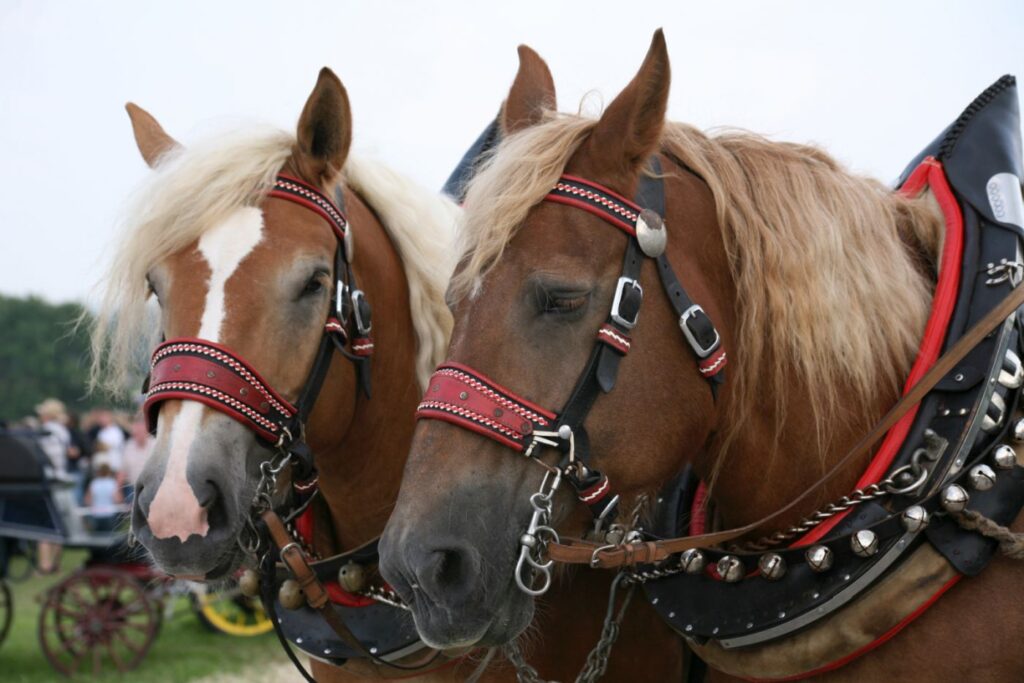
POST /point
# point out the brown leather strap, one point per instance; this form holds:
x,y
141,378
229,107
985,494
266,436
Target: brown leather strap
x,y
294,557
579,551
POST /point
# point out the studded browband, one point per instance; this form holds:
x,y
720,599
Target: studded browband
x,y
194,369
465,397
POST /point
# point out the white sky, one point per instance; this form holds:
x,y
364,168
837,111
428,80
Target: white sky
x,y
873,82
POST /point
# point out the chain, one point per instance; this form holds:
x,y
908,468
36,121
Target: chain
x,y
597,660
384,595
249,539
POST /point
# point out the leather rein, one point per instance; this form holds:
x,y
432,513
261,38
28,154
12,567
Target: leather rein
x,y
462,396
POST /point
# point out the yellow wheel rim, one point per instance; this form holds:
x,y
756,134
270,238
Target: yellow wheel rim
x,y
234,615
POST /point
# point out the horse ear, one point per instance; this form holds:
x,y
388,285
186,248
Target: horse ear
x,y
152,140
325,130
532,93
630,128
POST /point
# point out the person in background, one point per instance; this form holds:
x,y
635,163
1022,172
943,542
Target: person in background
x,y
78,456
136,453
103,498
55,440
110,439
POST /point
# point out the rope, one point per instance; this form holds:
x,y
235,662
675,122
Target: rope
x,y
1010,543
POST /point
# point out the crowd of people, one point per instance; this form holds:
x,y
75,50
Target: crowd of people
x,y
100,453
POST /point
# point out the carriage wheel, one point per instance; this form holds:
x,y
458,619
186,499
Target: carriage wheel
x,y
96,620
6,610
230,612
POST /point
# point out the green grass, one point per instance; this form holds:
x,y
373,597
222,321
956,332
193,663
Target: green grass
x,y
184,650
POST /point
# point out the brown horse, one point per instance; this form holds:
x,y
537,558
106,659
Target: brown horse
x,y
225,262
800,265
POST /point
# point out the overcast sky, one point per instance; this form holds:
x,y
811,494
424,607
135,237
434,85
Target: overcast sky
x,y
873,82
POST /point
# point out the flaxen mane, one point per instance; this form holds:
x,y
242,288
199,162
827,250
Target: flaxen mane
x,y
818,256
193,189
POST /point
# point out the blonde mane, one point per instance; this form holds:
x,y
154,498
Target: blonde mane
x,y
818,256
192,189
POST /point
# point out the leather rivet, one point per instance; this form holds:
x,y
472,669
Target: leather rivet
x,y
243,391
177,367
436,388
211,374
526,428
498,412
264,406
463,395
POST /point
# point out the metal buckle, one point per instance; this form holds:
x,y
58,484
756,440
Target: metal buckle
x,y
619,288
362,326
698,348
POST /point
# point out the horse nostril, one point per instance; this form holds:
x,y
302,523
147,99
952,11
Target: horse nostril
x,y
451,572
206,494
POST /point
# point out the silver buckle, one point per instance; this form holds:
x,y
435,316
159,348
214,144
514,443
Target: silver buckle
x,y
361,325
700,350
619,287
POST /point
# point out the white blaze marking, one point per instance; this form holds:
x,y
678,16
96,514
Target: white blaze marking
x,y
175,510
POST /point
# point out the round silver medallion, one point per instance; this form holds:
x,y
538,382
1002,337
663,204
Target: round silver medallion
x,y
692,561
651,233
731,569
914,518
1004,457
982,477
772,566
819,558
864,543
955,498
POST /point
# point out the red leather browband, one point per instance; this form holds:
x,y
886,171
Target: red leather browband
x,y
294,190
598,200
464,397
199,370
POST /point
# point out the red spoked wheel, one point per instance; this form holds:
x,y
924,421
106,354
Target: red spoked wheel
x,y
6,610
97,620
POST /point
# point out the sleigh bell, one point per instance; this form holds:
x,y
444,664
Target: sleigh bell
x,y
249,583
290,595
352,577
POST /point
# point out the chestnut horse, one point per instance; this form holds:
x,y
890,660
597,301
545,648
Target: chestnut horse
x,y
253,273
819,283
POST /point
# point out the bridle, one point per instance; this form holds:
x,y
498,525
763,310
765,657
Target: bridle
x,y
194,369
465,397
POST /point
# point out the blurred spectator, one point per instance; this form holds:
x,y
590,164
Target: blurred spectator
x,y
136,453
103,498
55,441
109,439
78,456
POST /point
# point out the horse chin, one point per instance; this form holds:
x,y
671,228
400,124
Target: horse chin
x,y
198,559
443,628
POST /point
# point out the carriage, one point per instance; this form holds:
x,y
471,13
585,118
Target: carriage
x,y
107,613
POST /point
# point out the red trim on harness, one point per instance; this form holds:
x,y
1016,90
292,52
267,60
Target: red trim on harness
x,y
596,493
587,195
882,639
929,173
199,370
304,530
362,346
614,338
713,364
467,399
300,192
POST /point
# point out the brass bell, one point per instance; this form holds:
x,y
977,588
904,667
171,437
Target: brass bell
x,y
731,569
290,595
352,577
249,583
692,561
819,558
772,566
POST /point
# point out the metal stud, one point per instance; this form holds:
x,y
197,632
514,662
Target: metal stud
x,y
1011,375
819,558
994,414
914,518
955,498
772,566
249,583
1004,457
290,595
864,543
1018,431
982,477
352,577
651,233
731,569
692,561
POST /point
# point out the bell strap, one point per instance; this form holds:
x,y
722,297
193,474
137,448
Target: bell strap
x,y
580,551
194,369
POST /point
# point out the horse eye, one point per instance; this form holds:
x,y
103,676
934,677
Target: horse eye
x,y
315,285
563,305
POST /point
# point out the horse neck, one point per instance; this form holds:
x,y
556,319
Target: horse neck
x,y
361,457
